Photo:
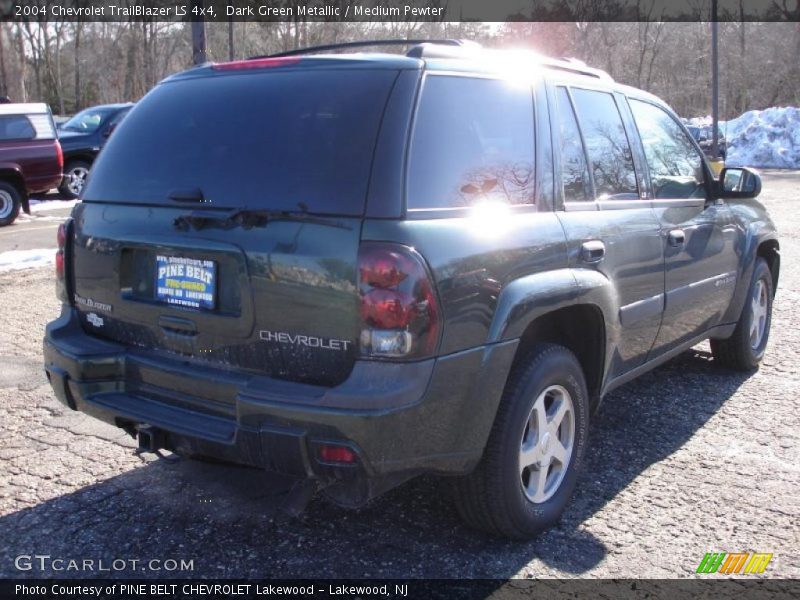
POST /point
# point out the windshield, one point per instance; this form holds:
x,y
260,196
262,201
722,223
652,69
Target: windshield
x,y
299,140
87,121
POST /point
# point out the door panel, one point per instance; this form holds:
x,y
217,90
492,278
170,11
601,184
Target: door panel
x,y
697,234
700,272
634,264
608,227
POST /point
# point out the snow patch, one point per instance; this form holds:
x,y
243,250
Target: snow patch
x,y
767,138
45,205
15,260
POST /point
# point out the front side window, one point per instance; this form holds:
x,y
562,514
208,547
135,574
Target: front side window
x,y
472,143
607,145
87,121
574,170
676,167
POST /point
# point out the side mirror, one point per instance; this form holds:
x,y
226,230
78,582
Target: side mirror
x,y
739,183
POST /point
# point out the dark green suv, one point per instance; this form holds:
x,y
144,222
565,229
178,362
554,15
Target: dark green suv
x,y
356,268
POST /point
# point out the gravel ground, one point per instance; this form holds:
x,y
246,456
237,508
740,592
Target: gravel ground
x,y
686,460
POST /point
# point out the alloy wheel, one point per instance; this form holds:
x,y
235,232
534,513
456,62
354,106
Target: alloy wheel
x,y
546,447
76,179
759,305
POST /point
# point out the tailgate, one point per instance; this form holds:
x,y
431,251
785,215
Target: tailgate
x,y
278,299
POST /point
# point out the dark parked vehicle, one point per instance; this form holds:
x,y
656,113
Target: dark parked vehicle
x,y
704,134
354,269
82,137
30,156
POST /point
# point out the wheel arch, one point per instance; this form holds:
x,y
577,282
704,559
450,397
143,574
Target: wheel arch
x,y
581,328
78,157
13,176
770,251
570,307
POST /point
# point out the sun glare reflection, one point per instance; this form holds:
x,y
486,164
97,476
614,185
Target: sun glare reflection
x,y
490,219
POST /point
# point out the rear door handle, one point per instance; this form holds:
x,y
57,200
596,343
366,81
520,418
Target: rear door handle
x,y
676,237
593,251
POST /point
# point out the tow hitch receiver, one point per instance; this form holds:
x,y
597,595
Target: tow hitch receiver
x,y
149,439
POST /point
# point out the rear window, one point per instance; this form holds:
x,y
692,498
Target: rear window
x,y
26,127
295,140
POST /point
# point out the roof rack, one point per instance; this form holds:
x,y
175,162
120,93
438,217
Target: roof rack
x,y
448,48
367,43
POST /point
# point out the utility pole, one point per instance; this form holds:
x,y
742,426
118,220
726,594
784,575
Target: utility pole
x,y
231,52
714,82
198,33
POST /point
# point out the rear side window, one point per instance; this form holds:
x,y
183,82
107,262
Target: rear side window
x,y
294,140
675,165
16,127
472,142
574,170
606,144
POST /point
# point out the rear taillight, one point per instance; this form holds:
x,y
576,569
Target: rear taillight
x,y
336,454
399,310
59,156
62,252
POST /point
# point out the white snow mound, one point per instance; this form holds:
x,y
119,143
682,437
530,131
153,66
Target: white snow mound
x,y
764,138
767,138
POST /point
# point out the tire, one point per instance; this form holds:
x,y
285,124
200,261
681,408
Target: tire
x,y
744,350
10,201
492,498
75,174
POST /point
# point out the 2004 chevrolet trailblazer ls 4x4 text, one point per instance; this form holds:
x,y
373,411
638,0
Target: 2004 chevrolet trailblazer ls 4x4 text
x,y
356,268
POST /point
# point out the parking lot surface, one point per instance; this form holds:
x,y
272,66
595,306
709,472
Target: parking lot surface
x,y
688,459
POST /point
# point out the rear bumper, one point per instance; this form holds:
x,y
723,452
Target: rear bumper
x,y
399,419
44,183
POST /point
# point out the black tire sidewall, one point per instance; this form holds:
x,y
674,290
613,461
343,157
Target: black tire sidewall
x,y
557,367
16,201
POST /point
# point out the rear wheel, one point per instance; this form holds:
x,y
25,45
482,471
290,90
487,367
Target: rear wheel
x,y
529,468
10,200
75,174
744,350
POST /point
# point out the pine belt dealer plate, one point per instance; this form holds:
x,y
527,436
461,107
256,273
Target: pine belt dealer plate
x,y
188,282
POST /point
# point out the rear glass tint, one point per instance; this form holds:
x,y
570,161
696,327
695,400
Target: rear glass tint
x,y
295,140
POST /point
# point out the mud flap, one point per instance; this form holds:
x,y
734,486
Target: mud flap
x,y
26,205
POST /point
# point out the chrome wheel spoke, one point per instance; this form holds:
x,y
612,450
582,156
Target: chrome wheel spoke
x,y
538,482
558,415
529,457
559,452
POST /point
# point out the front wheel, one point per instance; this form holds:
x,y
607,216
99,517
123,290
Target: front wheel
x,y
529,467
75,175
10,201
744,350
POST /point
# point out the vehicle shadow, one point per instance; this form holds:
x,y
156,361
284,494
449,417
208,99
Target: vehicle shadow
x,y
227,519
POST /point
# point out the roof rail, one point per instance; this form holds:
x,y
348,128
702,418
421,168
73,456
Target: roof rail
x,y
362,44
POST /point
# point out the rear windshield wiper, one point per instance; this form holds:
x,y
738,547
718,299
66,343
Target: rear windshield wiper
x,y
247,219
